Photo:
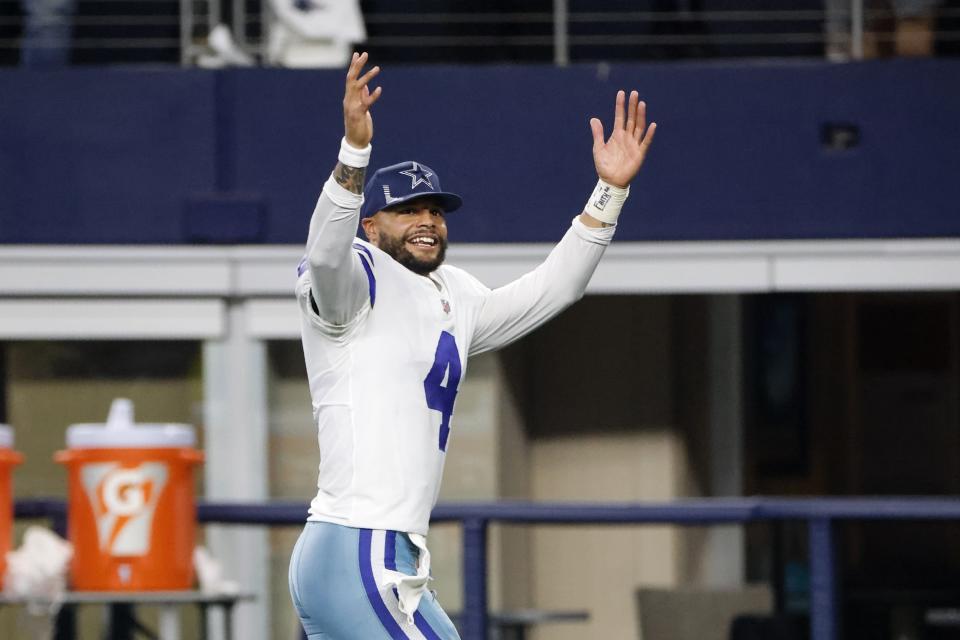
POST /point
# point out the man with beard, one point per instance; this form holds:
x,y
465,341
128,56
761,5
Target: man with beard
x,y
387,329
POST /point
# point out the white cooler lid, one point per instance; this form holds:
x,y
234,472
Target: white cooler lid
x,y
6,437
121,432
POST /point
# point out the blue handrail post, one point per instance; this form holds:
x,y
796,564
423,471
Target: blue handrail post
x,y
475,579
823,592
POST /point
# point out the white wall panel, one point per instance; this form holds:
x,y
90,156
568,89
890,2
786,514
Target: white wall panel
x,y
273,319
867,273
112,271
79,319
627,268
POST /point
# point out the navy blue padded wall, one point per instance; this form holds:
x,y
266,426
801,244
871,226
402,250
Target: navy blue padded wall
x,y
125,156
102,155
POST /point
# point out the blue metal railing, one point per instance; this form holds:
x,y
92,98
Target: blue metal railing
x,y
820,515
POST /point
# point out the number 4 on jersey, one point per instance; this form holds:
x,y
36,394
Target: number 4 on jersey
x,y
446,366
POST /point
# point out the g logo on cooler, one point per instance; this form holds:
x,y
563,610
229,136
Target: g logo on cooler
x,y
123,492
124,500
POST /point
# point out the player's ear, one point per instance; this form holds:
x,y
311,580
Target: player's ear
x,y
369,229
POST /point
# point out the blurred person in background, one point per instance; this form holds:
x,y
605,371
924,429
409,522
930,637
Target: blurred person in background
x,y
913,27
387,329
314,33
47,33
891,28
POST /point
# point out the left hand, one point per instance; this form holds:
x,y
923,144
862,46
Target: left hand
x,y
620,158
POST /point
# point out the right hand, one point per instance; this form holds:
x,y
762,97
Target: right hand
x,y
619,159
357,100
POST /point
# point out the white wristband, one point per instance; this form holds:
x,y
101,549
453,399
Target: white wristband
x,y
353,157
606,201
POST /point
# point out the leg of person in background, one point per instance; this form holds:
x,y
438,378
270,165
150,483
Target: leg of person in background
x,y
837,28
877,29
914,27
46,33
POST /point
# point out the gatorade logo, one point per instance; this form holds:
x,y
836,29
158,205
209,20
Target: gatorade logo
x,y
124,500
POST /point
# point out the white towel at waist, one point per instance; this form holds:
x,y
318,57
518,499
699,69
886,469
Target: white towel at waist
x,y
411,588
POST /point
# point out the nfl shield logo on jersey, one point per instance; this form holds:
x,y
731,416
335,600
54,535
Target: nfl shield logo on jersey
x,y
445,305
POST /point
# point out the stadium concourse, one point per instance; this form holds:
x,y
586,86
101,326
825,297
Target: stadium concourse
x,y
779,310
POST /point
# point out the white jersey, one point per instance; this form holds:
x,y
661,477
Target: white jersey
x,y
386,350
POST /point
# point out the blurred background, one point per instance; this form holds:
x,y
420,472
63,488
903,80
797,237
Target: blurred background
x,y
779,315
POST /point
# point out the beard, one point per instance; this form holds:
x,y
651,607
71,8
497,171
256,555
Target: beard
x,y
396,248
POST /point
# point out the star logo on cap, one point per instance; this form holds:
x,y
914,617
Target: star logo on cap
x,y
417,176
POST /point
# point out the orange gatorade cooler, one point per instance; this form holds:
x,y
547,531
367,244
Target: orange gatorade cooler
x,y
131,515
8,460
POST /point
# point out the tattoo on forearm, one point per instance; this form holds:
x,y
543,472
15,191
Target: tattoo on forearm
x,y
350,178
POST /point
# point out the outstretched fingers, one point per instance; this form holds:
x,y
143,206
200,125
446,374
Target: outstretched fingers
x,y
357,100
358,86
356,81
368,76
597,128
618,116
642,134
370,97
356,64
363,82
648,138
632,113
641,123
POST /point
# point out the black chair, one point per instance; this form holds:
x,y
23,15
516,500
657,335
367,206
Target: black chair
x,y
775,627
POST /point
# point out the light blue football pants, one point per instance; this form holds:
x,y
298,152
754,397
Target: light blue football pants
x,y
334,574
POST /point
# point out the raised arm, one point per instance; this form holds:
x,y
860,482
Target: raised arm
x,y
618,160
514,310
338,281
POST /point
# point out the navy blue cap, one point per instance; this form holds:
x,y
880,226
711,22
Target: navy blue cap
x,y
402,182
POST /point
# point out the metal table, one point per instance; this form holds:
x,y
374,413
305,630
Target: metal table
x,y
122,622
514,624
